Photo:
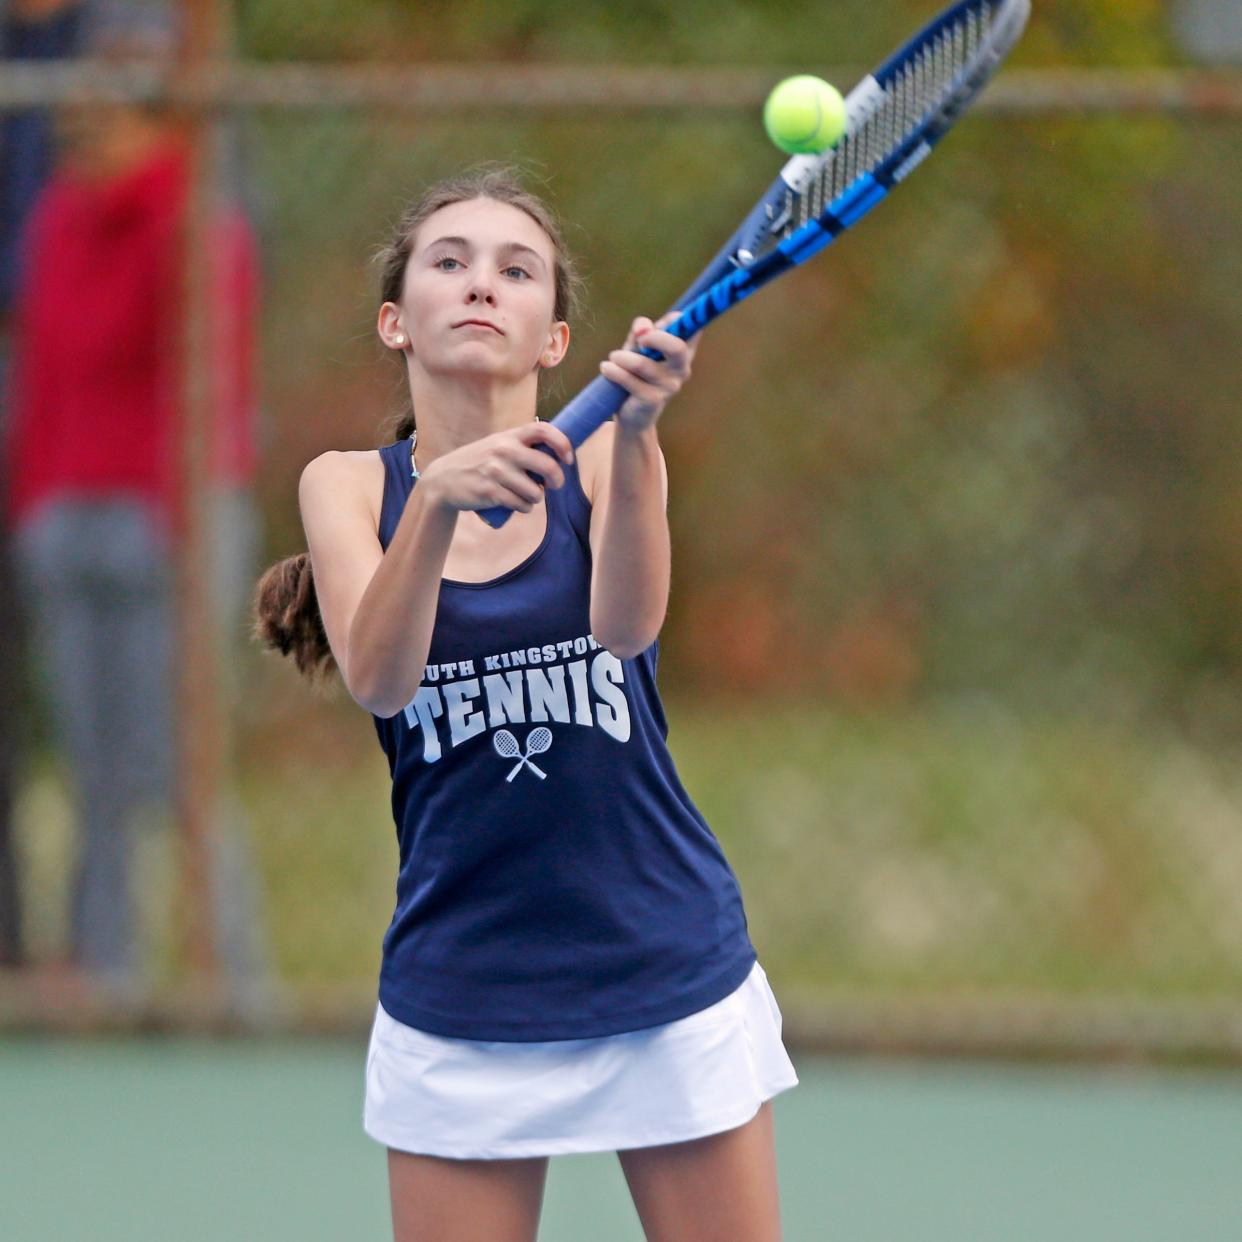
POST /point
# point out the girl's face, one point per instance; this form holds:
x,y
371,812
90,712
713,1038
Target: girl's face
x,y
479,294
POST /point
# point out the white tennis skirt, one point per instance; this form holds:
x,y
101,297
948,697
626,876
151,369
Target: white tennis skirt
x,y
485,1099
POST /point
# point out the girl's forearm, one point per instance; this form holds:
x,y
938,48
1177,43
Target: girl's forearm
x,y
391,631
630,581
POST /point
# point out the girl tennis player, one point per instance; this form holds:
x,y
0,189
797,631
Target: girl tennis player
x,y
568,967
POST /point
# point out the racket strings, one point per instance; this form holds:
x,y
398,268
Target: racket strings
x,y
506,744
917,89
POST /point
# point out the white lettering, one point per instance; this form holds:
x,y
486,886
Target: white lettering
x,y
537,690
607,676
504,699
421,710
547,693
582,695
463,723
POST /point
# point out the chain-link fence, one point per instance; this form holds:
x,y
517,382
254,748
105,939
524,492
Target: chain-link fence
x,y
952,660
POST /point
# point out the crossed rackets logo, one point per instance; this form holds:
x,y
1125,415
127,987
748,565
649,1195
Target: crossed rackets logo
x,y
537,741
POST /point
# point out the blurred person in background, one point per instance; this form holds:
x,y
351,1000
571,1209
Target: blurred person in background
x,y
29,30
94,495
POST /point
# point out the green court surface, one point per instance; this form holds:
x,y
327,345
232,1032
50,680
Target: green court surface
x,y
196,1140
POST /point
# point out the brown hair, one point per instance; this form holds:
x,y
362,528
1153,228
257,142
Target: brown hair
x,y
286,610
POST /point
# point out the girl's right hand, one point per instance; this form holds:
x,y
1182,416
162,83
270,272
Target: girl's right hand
x,y
493,471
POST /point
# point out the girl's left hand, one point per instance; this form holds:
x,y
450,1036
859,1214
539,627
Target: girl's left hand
x,y
649,383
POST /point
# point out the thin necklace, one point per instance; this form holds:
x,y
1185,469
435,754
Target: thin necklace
x,y
414,474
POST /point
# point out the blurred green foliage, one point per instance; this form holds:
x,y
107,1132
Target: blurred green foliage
x,y
987,443
960,847
985,446
963,496
1085,32
953,651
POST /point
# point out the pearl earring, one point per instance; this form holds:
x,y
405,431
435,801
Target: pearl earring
x,y
400,340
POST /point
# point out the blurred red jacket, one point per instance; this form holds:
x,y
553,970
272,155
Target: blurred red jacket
x,y
94,392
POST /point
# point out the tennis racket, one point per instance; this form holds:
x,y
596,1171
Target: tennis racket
x,y
895,117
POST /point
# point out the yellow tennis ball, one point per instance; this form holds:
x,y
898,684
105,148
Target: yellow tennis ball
x,y
804,115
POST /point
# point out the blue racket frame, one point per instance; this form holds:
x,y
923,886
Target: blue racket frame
x,y
728,279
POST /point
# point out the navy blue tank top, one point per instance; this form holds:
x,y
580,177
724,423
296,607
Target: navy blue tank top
x,y
555,879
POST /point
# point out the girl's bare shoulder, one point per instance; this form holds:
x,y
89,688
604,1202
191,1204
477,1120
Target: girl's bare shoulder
x,y
359,470
595,461
595,458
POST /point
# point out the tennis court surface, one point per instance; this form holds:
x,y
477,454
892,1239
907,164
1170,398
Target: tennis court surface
x,y
198,1140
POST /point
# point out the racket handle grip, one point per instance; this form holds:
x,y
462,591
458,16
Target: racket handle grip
x,y
586,413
